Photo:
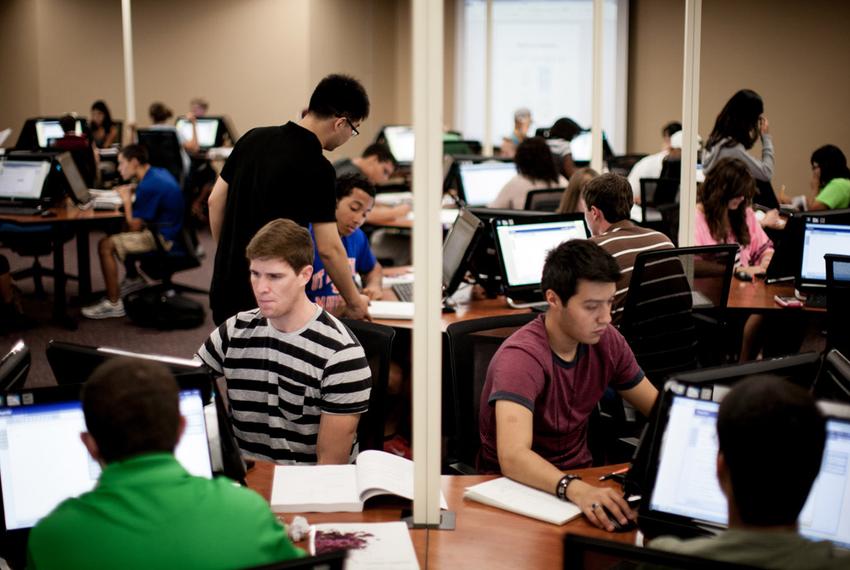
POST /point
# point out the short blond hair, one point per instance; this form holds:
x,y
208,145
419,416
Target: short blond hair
x,y
282,239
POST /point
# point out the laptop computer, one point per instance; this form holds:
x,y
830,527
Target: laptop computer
x,y
684,495
43,461
81,194
522,244
480,182
23,186
819,239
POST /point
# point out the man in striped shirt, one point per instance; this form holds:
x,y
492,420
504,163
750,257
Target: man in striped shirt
x,y
609,200
297,378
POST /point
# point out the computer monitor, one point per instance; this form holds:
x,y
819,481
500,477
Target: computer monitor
x,y
48,131
401,141
23,180
15,366
480,182
79,191
522,245
581,147
684,491
43,461
206,127
818,240
457,249
801,369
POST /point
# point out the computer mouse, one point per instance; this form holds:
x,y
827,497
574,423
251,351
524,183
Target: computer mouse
x,y
48,214
618,527
743,276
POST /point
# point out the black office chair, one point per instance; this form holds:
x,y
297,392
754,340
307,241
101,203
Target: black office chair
x,y
14,367
838,302
34,241
544,200
328,561
623,164
658,316
659,206
470,353
833,380
161,265
377,343
164,151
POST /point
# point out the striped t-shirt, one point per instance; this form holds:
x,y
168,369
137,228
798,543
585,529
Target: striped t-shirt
x,y
624,241
280,383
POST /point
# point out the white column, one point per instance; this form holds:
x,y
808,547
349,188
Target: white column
x,y
596,103
690,122
427,256
129,78
487,146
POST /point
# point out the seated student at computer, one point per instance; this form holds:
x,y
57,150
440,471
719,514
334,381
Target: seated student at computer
x,y
377,165
830,187
297,379
558,138
522,123
147,511
572,201
157,213
160,114
650,165
354,199
535,171
104,132
80,148
771,439
608,202
545,380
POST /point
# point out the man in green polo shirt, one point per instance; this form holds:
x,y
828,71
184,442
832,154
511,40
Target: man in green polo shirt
x,y
147,511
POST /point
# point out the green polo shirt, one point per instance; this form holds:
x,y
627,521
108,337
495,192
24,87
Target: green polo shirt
x,y
836,194
148,512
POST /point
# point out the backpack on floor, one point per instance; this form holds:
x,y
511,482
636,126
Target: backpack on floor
x,y
163,308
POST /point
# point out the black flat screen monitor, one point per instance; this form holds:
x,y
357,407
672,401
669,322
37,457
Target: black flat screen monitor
x,y
457,249
401,142
684,492
800,369
818,240
522,245
43,461
480,182
210,131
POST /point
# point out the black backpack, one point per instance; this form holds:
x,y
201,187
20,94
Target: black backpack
x,y
161,307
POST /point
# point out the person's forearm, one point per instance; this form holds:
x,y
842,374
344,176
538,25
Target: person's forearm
x,y
216,204
529,468
375,278
336,264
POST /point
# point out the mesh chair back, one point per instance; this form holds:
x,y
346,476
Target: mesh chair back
x,y
472,345
377,343
163,150
544,200
838,302
659,205
664,289
623,164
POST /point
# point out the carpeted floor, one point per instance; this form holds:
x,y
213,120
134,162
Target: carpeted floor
x,y
118,332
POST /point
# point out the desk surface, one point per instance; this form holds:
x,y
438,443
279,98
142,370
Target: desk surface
x,y
484,537
67,213
757,296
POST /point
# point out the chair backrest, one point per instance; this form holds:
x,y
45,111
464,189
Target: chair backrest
x,y
833,380
665,287
544,200
838,301
472,345
163,150
119,130
623,164
377,343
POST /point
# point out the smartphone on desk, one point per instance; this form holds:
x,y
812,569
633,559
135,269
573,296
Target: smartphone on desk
x,y
788,301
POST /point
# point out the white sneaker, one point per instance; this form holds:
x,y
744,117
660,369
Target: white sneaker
x,y
105,309
131,284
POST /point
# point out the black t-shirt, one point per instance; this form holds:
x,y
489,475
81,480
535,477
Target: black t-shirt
x,y
273,172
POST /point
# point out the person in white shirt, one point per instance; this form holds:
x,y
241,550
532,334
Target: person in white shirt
x,y
650,165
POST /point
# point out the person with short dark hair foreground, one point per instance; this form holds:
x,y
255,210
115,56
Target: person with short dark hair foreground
x,y
147,511
297,378
545,380
608,202
156,214
771,438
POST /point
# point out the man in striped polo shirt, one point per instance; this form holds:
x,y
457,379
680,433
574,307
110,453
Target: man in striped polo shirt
x,y
609,200
297,378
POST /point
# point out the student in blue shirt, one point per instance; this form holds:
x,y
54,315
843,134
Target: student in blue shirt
x,y
355,197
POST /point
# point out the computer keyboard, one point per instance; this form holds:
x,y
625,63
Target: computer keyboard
x,y
404,291
19,211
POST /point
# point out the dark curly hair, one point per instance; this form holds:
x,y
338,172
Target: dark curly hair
x,y
534,160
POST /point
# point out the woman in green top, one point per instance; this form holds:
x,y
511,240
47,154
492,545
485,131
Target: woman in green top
x,y
830,179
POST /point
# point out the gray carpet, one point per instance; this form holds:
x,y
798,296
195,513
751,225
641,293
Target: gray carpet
x,y
118,332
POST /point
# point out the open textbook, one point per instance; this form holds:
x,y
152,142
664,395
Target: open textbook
x,y
509,495
342,488
377,546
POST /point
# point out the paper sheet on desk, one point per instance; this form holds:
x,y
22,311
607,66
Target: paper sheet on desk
x,y
371,545
447,216
391,310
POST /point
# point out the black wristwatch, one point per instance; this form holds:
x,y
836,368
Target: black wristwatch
x,y
561,489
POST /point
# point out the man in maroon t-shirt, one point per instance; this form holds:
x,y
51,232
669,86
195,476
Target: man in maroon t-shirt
x,y
545,380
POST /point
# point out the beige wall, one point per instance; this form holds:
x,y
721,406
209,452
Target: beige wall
x,y
796,55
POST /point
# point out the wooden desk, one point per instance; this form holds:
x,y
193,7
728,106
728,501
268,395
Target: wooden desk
x,y
484,537
757,296
81,221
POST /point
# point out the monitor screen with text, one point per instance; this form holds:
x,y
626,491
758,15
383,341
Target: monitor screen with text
x,y
523,246
22,179
43,461
687,484
482,181
49,131
207,130
818,240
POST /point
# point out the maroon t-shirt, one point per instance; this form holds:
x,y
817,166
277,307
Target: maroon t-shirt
x,y
560,394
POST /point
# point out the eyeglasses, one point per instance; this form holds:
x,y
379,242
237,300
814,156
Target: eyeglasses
x,y
354,131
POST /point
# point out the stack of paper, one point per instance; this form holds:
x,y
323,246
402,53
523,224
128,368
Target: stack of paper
x,y
509,495
377,546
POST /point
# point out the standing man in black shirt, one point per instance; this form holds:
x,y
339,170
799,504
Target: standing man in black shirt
x,y
280,172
